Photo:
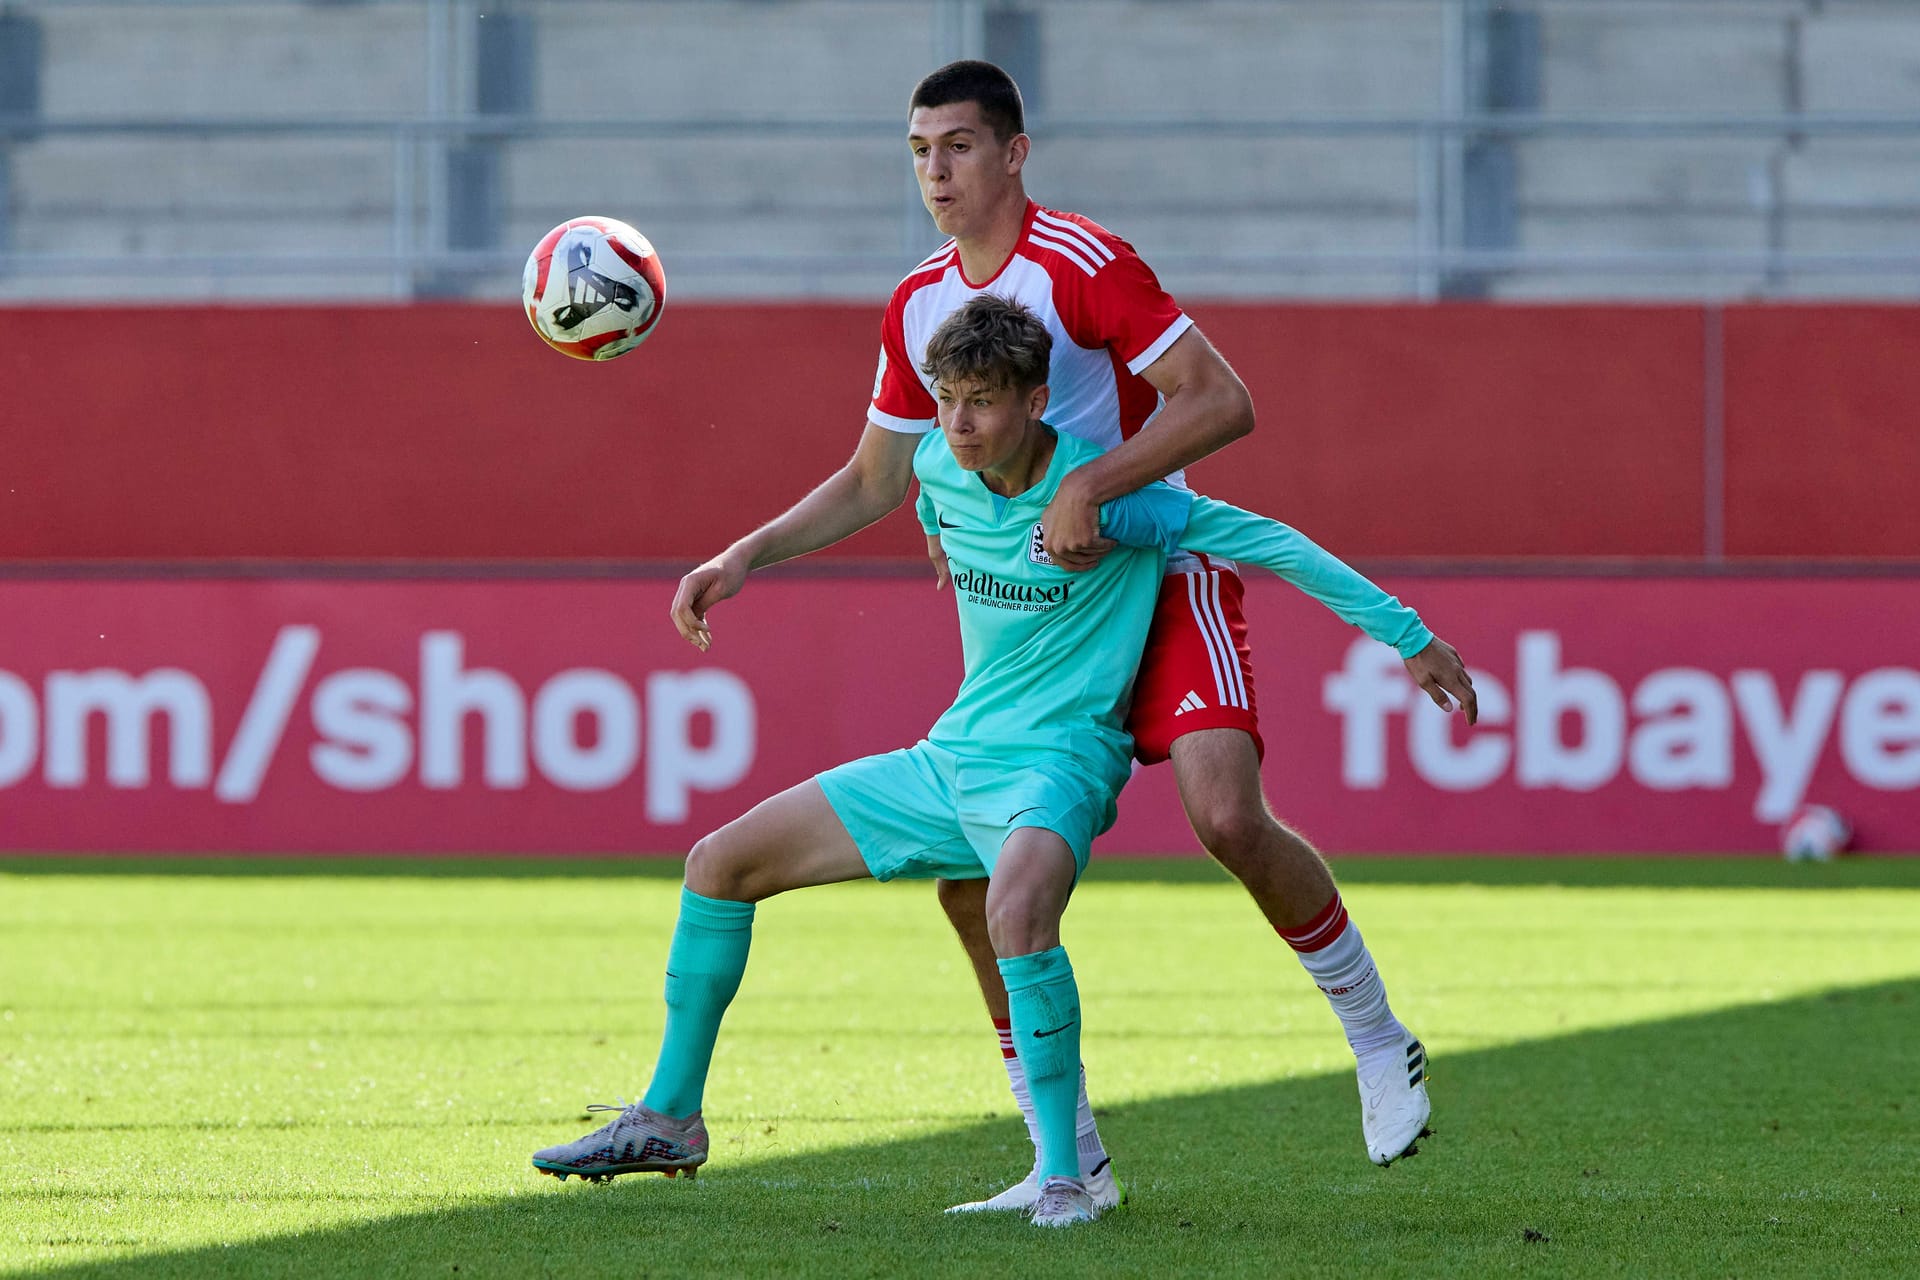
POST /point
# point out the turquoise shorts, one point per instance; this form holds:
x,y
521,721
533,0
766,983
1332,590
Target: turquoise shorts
x,y
924,813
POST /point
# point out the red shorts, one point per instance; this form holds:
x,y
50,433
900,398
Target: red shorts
x,y
1197,671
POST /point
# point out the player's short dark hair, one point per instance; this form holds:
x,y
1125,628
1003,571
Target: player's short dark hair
x,y
971,80
990,342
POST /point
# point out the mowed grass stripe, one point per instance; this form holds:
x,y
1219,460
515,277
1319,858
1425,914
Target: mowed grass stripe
x,y
344,1074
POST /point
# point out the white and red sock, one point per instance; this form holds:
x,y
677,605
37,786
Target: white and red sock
x,y
1093,1153
1335,956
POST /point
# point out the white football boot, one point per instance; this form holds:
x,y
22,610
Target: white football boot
x,y
1064,1202
1393,1100
1107,1192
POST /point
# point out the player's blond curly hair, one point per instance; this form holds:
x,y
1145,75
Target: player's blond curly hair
x,y
990,342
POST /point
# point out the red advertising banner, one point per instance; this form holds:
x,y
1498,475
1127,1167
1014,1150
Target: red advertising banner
x,y
567,716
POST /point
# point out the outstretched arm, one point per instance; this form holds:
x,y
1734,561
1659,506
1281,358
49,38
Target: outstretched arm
x,y
1175,519
1207,408
872,483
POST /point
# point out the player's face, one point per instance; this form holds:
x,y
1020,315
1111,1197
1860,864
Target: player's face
x,y
966,174
988,427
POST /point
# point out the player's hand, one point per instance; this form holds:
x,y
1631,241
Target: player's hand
x,y
1438,670
714,581
938,554
1070,529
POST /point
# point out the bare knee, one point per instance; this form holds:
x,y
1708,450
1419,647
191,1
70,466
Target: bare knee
x,y
1019,925
1245,838
1219,775
1237,833
1031,884
716,868
965,902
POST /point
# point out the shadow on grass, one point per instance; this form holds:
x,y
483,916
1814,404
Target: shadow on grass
x,y
1774,1139
1680,872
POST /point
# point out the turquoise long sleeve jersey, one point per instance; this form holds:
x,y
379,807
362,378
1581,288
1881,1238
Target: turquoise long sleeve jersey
x,y
1050,655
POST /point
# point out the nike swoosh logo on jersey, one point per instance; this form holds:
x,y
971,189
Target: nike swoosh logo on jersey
x,y
1029,809
944,524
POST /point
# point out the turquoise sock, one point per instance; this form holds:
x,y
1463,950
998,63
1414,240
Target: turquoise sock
x,y
1045,1007
704,964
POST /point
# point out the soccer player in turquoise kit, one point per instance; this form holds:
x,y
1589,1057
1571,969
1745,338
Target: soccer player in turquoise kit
x,y
1014,780
1133,374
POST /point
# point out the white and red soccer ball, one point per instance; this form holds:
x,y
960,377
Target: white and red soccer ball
x,y
593,288
1814,833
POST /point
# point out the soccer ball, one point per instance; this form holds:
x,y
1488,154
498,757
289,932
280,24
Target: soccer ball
x,y
593,288
1814,833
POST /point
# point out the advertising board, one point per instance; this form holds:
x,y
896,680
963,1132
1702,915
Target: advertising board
x,y
566,716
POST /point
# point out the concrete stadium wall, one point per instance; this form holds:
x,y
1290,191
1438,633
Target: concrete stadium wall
x,y
448,432
780,196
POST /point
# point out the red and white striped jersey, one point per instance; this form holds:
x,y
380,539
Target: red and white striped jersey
x,y
1107,313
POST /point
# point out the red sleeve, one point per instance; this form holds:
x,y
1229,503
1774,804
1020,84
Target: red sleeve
x,y
900,399
1119,304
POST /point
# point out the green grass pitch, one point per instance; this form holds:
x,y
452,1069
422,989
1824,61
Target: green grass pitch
x,y
1690,1067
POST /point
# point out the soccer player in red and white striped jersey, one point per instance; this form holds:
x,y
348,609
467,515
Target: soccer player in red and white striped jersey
x,y
1130,371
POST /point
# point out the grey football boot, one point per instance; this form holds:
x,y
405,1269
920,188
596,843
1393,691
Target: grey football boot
x,y
1108,1192
1064,1202
638,1140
